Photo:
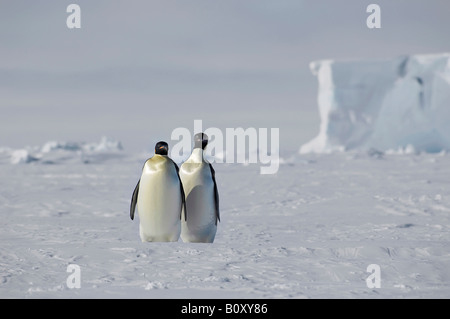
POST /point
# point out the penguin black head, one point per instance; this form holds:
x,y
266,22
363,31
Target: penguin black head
x,y
200,140
161,148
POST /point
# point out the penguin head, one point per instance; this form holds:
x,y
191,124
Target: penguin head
x,y
161,148
200,140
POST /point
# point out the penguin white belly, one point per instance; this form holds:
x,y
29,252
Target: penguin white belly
x,y
200,225
159,204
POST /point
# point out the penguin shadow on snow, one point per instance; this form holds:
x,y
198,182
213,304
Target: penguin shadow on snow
x,y
175,202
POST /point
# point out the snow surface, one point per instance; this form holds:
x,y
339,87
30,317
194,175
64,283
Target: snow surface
x,y
383,104
309,231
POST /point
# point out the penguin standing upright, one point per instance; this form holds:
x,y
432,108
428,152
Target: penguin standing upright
x,y
202,197
159,198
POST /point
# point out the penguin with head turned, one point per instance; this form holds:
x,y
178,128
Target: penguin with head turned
x,y
202,197
159,198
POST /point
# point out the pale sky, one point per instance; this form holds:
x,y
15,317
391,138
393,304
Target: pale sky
x,y
136,70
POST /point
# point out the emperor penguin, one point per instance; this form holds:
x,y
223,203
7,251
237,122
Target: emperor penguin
x,y
202,197
159,198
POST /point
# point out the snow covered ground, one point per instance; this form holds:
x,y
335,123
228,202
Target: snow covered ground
x,y
309,231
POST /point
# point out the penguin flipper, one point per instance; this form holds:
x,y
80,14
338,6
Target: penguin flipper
x,y
134,200
216,193
183,196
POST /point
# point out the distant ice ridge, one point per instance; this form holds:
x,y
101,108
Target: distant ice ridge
x,y
106,144
54,152
402,103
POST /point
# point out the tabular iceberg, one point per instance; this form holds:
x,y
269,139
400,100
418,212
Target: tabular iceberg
x,y
383,104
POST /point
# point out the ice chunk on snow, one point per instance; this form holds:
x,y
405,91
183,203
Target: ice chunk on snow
x,y
383,104
61,152
106,144
21,156
53,145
